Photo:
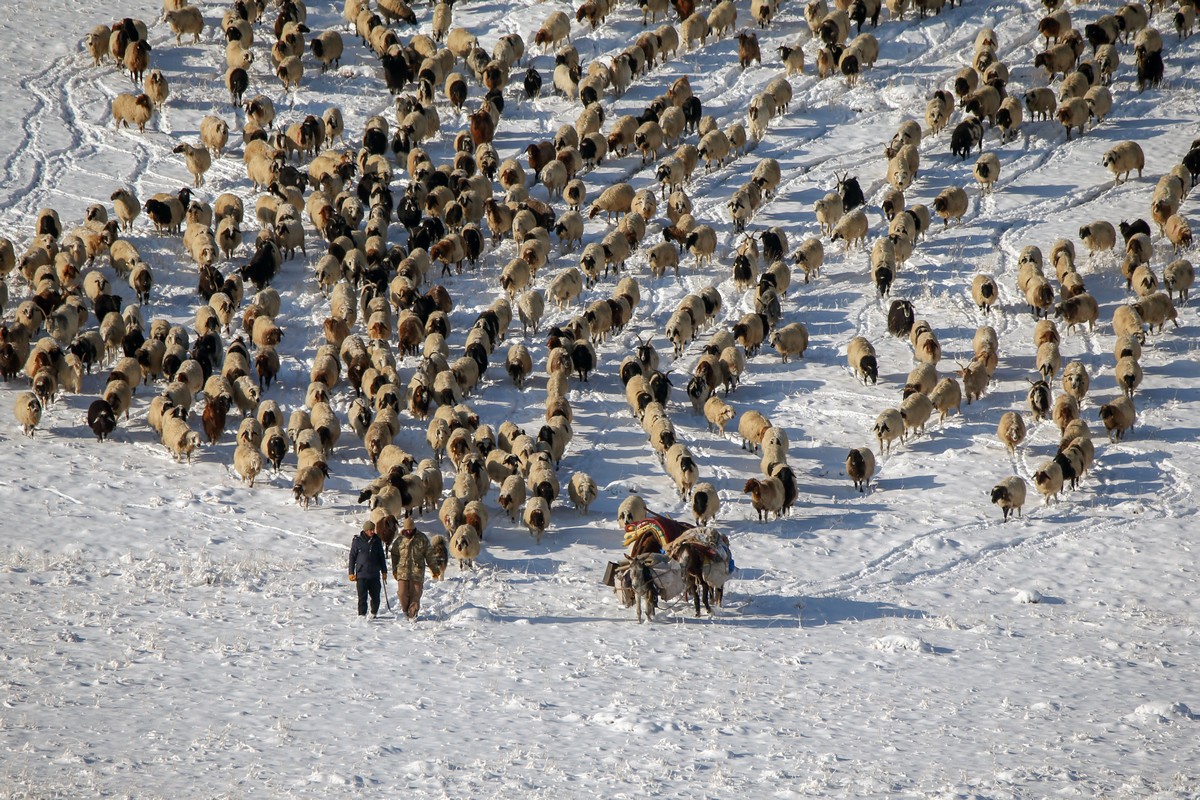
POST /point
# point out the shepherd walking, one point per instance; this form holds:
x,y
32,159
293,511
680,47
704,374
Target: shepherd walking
x,y
368,568
411,552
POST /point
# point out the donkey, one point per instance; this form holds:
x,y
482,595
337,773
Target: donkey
x,y
693,559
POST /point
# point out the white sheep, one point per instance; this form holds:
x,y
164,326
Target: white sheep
x,y
1065,411
705,503
185,20
1048,360
178,438
915,410
1178,277
810,256
1179,232
752,426
1123,158
553,31
852,228
987,171
582,491
1155,310
790,340
723,18
465,546
1074,113
27,408
214,134
536,516
946,396
290,71
248,461
758,115
717,414
1075,380
701,242
828,211
632,509
97,42
1049,480
156,88
197,159
860,355
889,426
1009,494
951,203
1098,236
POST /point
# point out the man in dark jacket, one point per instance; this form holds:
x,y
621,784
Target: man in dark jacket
x,y
368,568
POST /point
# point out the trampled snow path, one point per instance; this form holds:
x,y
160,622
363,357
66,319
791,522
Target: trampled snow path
x,y
174,633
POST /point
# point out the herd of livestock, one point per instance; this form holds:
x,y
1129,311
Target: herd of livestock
x,y
381,216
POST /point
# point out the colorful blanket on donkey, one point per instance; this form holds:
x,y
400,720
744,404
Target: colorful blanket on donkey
x,y
664,529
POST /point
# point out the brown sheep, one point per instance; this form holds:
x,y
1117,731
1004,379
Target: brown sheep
x,y
135,109
766,495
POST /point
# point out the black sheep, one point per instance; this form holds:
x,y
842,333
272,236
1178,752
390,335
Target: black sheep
x,y
159,213
851,192
532,83
660,386
132,343
900,318
967,135
693,110
1149,70
882,275
1131,229
773,245
101,419
263,265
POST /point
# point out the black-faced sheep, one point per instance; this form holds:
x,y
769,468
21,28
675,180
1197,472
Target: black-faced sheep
x,y
860,466
951,203
860,355
1009,494
705,503
536,516
889,426
1049,480
987,172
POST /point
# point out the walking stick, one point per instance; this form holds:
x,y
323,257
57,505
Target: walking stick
x,y
387,596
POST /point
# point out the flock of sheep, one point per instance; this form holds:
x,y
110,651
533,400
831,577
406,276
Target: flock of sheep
x,y
388,219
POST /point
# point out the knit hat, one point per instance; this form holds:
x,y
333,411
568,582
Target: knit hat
x,y
408,524
368,526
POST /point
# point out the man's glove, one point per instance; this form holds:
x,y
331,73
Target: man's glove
x,y
352,578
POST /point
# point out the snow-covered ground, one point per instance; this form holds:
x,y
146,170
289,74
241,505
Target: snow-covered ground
x,y
173,633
